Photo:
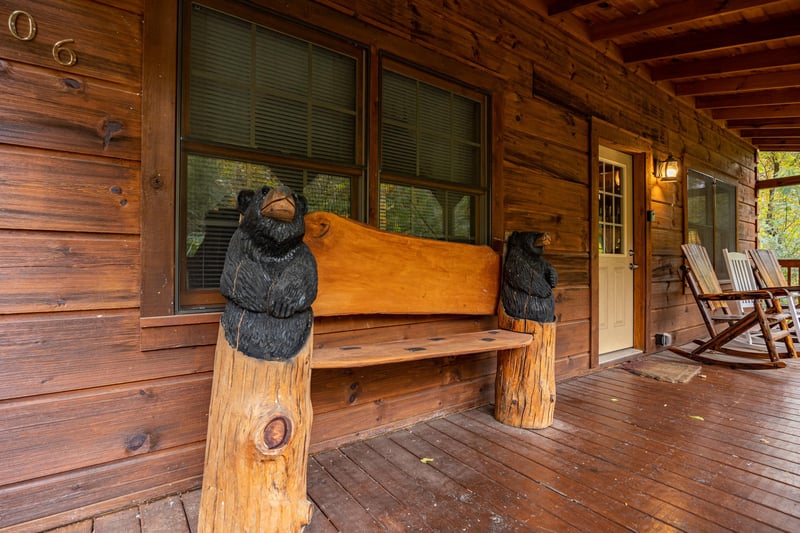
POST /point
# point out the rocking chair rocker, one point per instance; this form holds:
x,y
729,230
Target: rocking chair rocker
x,y
713,304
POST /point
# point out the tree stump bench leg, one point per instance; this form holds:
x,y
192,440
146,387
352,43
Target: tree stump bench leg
x,y
525,386
259,427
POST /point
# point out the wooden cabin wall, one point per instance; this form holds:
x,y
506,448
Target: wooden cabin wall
x,y
97,410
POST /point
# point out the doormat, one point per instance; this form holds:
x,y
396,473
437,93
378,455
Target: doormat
x,y
663,370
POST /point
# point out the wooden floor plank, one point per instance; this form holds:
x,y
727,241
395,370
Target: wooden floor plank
x,y
623,453
126,520
736,511
390,512
548,473
335,502
518,496
319,523
640,493
480,517
439,510
191,506
164,516
671,457
678,424
709,462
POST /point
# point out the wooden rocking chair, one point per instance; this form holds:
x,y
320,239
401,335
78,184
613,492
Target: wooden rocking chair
x,y
713,304
770,276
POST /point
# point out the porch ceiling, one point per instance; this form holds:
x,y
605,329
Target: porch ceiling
x,y
738,60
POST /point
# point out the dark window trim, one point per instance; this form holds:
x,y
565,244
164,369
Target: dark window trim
x,y
159,155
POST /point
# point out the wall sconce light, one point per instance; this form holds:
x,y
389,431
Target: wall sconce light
x,y
667,170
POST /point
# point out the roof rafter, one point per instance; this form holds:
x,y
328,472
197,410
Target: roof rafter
x,y
728,37
723,65
765,133
668,15
757,111
789,95
748,82
562,6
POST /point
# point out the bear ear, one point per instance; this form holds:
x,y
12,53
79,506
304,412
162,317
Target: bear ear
x,y
301,203
243,200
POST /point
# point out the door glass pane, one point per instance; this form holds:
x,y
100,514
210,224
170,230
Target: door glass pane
x,y
611,184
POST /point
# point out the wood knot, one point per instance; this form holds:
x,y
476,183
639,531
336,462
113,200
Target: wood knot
x,y
139,443
273,433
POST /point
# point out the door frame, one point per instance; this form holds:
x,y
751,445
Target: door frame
x,y
601,132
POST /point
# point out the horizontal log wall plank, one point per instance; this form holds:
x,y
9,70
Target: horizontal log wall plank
x,y
50,353
340,389
107,41
133,6
334,427
44,191
40,436
44,271
44,108
79,494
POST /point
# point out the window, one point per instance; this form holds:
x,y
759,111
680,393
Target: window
x,y
712,216
265,101
260,107
433,182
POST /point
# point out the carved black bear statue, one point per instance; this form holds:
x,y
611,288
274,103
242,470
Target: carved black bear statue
x,y
270,276
528,280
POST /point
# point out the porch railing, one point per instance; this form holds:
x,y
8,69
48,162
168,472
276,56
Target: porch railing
x,y
791,270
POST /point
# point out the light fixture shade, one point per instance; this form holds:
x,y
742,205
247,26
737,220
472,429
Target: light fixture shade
x,y
667,170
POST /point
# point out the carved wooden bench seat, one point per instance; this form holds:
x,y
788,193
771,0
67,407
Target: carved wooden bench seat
x,y
365,271
382,298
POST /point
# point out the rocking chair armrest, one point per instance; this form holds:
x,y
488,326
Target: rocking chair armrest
x,y
763,294
789,290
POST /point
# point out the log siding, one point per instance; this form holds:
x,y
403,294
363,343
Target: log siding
x,y
104,391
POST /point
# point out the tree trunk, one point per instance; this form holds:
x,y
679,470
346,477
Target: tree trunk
x,y
525,386
259,427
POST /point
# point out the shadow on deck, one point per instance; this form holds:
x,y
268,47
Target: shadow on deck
x,y
721,452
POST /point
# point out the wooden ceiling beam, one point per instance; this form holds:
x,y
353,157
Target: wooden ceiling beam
x,y
757,112
778,182
722,65
562,6
748,82
769,148
789,95
763,122
780,133
771,141
668,15
709,40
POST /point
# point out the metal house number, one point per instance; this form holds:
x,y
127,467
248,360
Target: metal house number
x,y
62,55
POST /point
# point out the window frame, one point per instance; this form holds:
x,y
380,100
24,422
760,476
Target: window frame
x,y
482,191
711,201
198,299
162,324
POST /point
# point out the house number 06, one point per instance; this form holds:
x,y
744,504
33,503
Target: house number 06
x,y
62,55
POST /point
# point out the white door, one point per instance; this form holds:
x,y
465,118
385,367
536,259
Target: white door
x,y
617,262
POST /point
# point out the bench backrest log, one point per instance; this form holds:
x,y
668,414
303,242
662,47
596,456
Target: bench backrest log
x,y
364,270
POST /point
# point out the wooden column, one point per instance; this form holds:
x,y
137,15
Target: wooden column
x,y
259,427
525,386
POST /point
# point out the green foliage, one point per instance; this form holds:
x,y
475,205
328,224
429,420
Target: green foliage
x,y
779,208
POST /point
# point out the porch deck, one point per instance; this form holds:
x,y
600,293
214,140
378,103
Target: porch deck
x,y
721,452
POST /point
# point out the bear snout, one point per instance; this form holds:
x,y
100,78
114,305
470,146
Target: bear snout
x,y
279,205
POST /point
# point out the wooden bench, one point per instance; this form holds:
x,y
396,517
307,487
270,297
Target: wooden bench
x,y
365,271
260,414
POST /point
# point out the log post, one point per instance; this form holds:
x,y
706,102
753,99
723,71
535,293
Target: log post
x,y
257,446
525,385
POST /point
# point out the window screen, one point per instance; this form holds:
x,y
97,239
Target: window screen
x,y
261,107
712,217
433,177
